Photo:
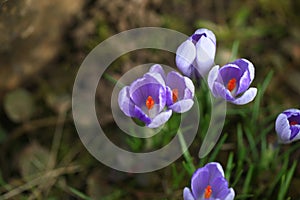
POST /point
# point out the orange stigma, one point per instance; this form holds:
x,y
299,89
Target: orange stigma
x,y
207,192
293,123
231,84
149,102
174,95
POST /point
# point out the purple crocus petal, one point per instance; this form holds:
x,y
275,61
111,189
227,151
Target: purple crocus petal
x,y
199,182
219,187
244,83
140,95
219,90
247,97
205,55
188,94
228,72
176,81
185,56
291,111
212,77
147,79
169,96
151,84
215,169
246,65
295,130
160,119
185,92
125,103
209,34
139,113
157,69
182,105
187,194
282,128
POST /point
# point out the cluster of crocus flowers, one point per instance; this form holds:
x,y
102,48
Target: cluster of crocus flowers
x,y
195,58
153,97
287,126
209,182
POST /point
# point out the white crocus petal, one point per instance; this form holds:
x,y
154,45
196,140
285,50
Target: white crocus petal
x,y
187,194
190,85
212,76
160,119
156,77
182,105
282,128
185,56
124,101
205,55
231,195
247,97
157,69
250,68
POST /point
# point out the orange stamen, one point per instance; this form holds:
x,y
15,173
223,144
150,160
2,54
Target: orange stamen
x,y
175,95
149,102
207,192
293,123
231,84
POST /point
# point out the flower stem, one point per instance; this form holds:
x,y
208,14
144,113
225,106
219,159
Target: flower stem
x,y
186,154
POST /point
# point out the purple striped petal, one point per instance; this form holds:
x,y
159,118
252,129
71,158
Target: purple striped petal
x,y
139,113
125,103
245,65
208,33
215,169
199,182
244,83
229,72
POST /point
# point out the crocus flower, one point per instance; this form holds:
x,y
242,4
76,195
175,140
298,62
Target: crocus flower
x,y
196,55
145,99
180,90
231,82
288,126
208,182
